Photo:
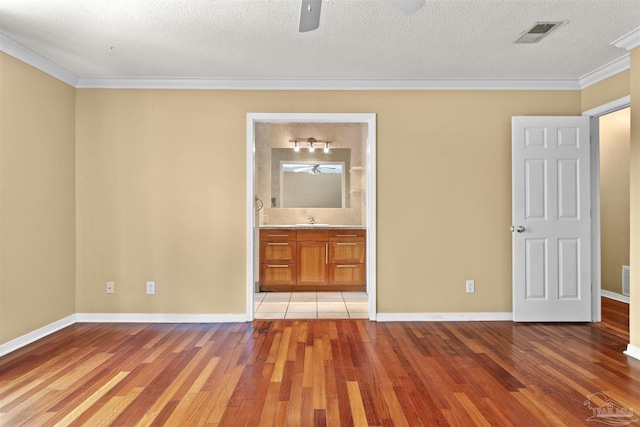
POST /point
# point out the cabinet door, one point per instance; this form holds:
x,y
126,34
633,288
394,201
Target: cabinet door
x,y
347,252
312,263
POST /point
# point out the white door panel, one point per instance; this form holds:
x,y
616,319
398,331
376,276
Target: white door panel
x,y
551,219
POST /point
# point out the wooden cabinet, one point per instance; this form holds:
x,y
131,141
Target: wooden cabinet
x,y
278,257
347,255
304,259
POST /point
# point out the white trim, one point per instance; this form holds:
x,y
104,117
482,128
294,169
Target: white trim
x,y
609,70
629,41
445,317
609,107
159,318
366,118
325,84
632,351
28,56
615,296
40,333
596,247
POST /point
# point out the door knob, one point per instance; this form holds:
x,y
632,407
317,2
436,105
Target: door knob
x,y
519,229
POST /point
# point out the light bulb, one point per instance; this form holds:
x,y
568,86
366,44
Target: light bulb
x,y
326,147
311,147
296,147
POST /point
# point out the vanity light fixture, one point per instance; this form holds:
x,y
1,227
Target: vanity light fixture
x,y
311,143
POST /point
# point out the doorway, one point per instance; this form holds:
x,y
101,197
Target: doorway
x,y
596,203
368,121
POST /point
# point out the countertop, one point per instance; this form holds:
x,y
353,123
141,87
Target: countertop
x,y
309,226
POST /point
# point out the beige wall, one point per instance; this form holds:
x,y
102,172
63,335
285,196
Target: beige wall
x,y
607,90
614,197
160,188
162,184
37,217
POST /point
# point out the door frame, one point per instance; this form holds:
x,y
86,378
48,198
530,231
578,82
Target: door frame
x,y
369,119
596,255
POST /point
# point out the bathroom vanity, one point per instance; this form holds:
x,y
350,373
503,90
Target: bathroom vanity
x,y
312,258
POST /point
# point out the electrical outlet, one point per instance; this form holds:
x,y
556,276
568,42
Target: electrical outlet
x,y
151,288
471,286
111,287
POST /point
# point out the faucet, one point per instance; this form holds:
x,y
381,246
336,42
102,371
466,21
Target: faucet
x,y
312,220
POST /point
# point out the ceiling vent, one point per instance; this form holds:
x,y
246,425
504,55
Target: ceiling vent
x,y
539,31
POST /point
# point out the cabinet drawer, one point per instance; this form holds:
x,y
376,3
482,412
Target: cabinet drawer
x,y
278,235
347,274
347,252
277,274
278,252
347,235
313,235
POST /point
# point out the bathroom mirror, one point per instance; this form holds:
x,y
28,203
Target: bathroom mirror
x,y
310,180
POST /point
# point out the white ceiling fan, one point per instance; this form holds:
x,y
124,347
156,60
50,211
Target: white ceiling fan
x,y
313,169
310,13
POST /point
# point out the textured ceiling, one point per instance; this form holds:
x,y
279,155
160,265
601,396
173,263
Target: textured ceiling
x,y
357,39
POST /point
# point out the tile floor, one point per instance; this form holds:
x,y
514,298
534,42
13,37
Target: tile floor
x,y
311,305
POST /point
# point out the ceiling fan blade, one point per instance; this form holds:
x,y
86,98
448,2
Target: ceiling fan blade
x,y
408,7
310,15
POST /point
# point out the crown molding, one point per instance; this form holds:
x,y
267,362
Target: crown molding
x,y
24,54
611,69
326,84
629,41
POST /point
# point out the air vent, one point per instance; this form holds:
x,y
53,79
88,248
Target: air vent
x,y
625,280
539,31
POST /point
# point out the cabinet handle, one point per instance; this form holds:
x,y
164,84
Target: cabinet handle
x,y
346,244
326,253
277,244
277,235
346,266
277,266
346,235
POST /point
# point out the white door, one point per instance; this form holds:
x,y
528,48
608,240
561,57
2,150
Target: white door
x,y
551,219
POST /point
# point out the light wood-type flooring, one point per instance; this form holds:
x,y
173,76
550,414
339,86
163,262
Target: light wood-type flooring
x,y
321,372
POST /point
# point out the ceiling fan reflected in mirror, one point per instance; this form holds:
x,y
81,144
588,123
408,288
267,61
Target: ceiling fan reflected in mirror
x,y
310,13
312,169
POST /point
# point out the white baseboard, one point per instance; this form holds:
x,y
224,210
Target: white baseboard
x,y
615,296
444,317
159,318
40,333
632,351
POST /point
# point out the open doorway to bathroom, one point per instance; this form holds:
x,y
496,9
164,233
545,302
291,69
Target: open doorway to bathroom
x,y
348,143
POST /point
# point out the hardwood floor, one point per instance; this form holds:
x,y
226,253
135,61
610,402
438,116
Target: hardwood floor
x,y
320,372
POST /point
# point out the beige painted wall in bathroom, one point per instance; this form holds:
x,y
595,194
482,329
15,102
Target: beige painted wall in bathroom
x,y
161,188
37,199
615,135
343,135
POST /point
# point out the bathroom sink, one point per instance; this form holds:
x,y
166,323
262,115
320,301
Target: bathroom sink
x,y
312,225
